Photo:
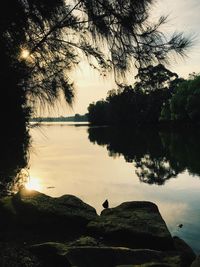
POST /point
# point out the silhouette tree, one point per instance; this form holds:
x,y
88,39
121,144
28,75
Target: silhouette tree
x,y
43,40
157,77
137,105
98,113
184,106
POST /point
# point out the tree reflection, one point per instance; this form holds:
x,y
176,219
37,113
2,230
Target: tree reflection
x,y
154,170
158,155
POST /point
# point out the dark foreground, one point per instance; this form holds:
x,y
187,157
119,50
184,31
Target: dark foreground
x,y
37,230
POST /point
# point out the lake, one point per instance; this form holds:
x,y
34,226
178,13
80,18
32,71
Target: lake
x,y
98,163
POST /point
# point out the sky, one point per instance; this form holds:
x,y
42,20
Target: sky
x,y
90,86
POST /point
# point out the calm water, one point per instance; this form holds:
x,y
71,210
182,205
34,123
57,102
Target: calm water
x,y
102,163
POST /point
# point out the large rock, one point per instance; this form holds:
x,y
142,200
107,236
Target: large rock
x,y
52,254
13,255
32,208
133,224
132,234
113,256
186,252
103,256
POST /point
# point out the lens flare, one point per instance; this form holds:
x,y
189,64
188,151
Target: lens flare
x,y
33,184
24,54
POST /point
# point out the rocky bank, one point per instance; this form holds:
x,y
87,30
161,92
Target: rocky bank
x,y
38,230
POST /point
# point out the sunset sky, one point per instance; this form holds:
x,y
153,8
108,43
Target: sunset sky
x,y
183,16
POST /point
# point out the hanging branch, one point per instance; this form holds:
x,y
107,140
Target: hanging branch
x,y
56,26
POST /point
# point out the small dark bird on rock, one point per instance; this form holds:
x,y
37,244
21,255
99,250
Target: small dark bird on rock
x,y
105,204
180,225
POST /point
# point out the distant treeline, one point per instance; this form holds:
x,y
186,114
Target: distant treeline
x,y
159,96
76,118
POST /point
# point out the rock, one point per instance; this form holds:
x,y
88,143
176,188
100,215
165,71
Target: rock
x,y
12,255
134,224
112,256
105,256
132,234
52,254
196,262
31,208
131,224
85,241
7,211
187,254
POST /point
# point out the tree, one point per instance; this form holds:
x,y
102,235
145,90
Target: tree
x,y
98,113
42,40
137,105
157,77
184,106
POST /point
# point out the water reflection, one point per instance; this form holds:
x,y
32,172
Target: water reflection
x,y
158,155
71,164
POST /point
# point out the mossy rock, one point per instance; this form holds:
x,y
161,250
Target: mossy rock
x,y
196,262
13,255
37,210
135,224
186,252
88,256
85,241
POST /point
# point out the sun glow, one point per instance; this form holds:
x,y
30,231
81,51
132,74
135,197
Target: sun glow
x,y
24,54
33,184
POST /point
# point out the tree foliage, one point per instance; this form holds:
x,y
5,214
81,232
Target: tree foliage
x,y
184,106
41,41
157,77
137,105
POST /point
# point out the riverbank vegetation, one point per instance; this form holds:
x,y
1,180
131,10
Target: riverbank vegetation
x,y
75,118
184,105
158,95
